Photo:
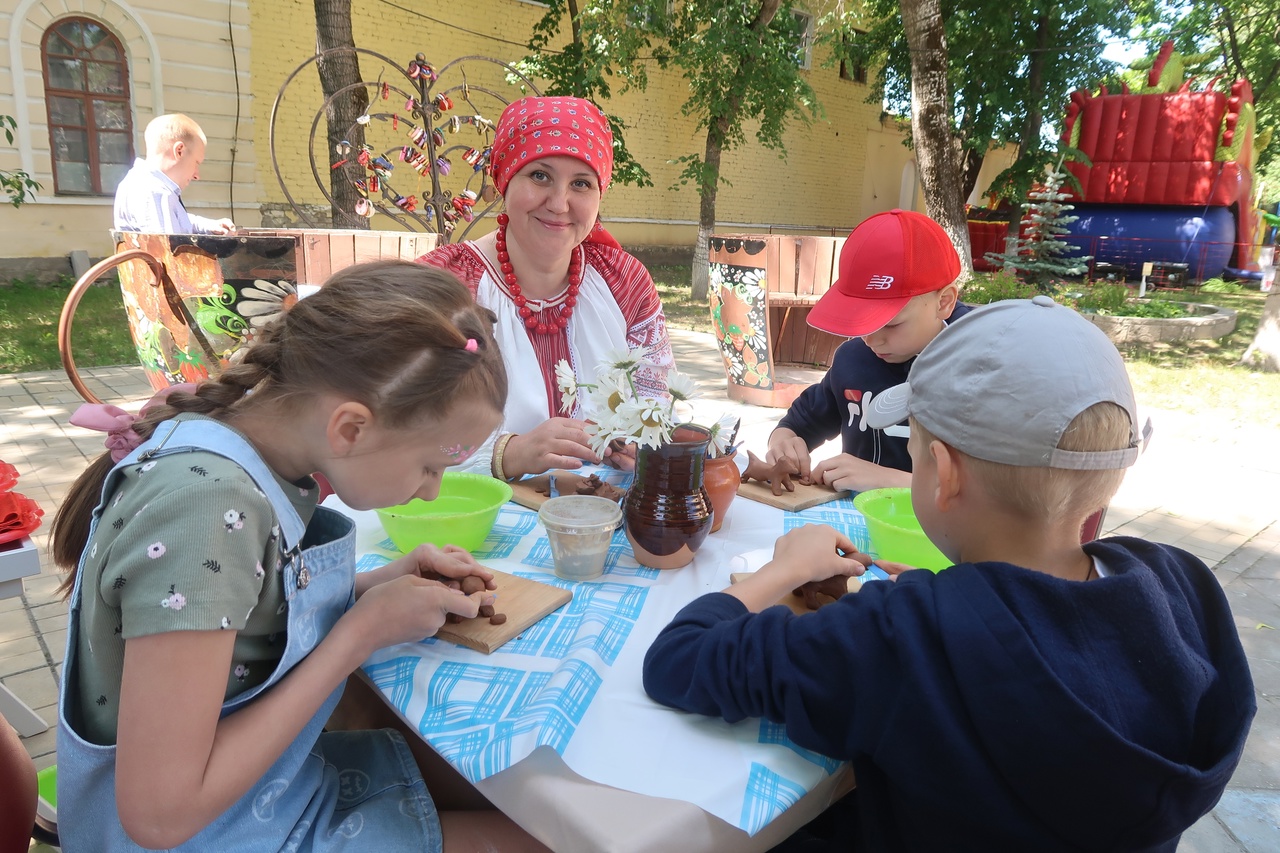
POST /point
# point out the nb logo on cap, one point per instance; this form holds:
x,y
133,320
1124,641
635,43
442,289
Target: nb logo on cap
x,y
880,282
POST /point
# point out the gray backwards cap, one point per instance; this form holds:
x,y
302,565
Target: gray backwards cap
x,y
1004,381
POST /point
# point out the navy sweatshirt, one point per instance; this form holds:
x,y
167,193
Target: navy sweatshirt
x,y
989,707
837,404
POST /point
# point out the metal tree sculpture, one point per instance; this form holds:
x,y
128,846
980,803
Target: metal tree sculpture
x,y
419,116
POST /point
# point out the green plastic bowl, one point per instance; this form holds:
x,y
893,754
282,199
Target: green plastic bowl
x,y
895,533
47,783
462,515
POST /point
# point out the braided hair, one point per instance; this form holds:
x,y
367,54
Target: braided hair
x,y
405,340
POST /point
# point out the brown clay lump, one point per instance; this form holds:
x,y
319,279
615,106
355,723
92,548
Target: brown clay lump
x,y
813,591
593,485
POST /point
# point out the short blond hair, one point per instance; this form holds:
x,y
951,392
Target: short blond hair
x,y
163,131
1047,493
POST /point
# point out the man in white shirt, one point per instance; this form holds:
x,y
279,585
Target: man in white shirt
x,y
149,196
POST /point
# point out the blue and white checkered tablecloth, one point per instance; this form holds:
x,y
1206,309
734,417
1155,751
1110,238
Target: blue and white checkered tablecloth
x,y
572,681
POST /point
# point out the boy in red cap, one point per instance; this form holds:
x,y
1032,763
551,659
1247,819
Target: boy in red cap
x,y
895,292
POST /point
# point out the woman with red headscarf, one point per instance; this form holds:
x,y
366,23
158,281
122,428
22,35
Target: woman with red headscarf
x,y
560,285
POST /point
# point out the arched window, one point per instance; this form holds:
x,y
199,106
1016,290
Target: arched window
x,y
86,88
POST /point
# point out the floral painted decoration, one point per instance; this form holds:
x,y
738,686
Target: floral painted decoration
x,y
617,411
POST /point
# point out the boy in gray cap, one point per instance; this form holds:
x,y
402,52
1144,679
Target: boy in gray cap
x,y
1038,694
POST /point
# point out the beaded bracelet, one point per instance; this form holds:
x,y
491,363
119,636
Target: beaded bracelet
x,y
499,448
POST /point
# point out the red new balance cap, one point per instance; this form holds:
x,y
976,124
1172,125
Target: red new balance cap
x,y
889,258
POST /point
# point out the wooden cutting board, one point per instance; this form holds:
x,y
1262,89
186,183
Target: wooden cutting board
x,y
802,498
795,602
524,601
526,492
531,491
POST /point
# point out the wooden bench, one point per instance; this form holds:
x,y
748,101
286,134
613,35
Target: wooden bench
x,y
762,289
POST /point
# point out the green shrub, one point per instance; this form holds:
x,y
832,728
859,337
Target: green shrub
x,y
1217,285
996,286
1100,299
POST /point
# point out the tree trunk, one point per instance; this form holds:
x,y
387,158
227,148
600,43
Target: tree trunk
x,y
936,154
1264,353
717,133
342,69
707,209
1035,117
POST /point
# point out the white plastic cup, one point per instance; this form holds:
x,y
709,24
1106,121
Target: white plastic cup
x,y
579,528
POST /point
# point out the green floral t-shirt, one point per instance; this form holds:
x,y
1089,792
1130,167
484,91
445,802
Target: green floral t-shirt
x,y
186,542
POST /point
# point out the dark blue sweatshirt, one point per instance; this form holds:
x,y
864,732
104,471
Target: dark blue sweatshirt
x,y
837,404
989,707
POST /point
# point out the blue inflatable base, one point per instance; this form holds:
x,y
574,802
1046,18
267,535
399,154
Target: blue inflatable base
x,y
1129,236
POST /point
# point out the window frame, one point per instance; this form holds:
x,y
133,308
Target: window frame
x,y
804,50
86,97
859,73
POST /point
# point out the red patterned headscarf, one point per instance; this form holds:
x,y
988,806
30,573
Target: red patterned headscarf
x,y
532,128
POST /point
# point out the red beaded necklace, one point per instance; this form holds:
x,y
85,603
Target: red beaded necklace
x,y
533,321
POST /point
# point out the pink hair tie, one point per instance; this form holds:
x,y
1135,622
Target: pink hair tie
x,y
472,345
117,423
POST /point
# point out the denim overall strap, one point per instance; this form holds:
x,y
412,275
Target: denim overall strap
x,y
303,801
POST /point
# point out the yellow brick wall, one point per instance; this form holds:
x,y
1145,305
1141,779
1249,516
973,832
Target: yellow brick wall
x,y
179,60
822,184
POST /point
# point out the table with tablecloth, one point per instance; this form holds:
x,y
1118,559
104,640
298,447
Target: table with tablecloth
x,y
552,721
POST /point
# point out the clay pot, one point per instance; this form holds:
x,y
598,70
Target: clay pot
x,y
667,511
721,479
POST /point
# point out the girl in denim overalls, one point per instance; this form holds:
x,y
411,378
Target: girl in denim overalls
x,y
215,610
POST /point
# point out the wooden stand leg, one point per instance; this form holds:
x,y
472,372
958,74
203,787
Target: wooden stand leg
x,y
19,715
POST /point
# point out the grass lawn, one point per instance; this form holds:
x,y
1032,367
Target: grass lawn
x,y
1193,376
29,327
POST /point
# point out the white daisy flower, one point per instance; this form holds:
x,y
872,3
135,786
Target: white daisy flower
x,y
567,382
611,391
722,431
647,421
626,360
681,387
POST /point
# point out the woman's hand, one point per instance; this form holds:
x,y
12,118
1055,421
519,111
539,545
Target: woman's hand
x,y
621,455
555,443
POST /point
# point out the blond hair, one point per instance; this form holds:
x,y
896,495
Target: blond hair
x,y
163,131
1048,493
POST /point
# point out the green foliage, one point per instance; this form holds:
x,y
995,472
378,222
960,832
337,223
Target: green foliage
x,y
995,287
605,40
1217,285
1115,300
19,186
740,62
1004,40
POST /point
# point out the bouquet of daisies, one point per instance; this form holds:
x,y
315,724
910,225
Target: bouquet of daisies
x,y
617,411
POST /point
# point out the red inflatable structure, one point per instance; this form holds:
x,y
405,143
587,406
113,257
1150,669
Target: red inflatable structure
x,y
1170,146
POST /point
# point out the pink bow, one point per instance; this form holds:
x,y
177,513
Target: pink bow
x,y
117,423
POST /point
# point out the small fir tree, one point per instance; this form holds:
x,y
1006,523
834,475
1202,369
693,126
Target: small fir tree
x,y
1039,258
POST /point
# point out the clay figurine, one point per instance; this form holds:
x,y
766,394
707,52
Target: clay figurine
x,y
778,475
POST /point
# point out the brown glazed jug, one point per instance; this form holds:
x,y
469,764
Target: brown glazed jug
x,y
667,511
721,478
